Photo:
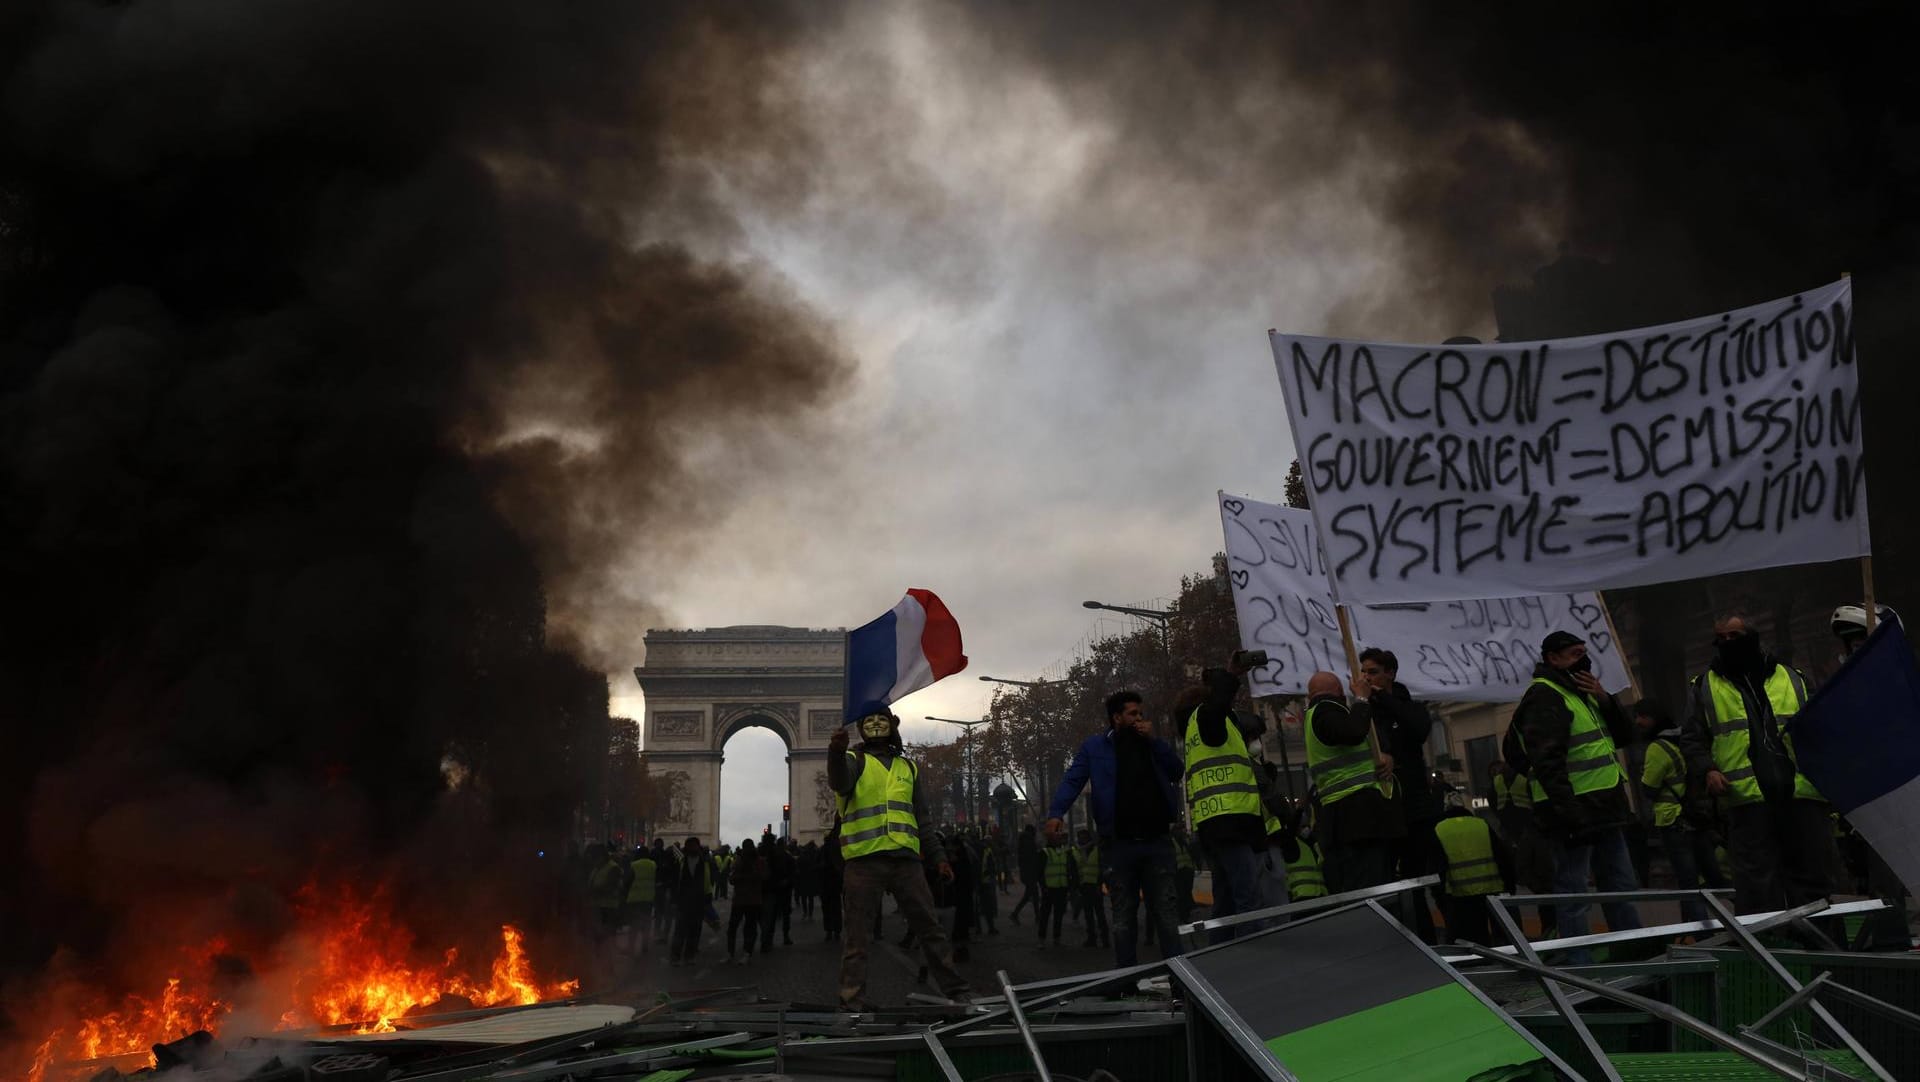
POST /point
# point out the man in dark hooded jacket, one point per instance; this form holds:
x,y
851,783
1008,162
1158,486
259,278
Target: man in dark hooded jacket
x,y
1404,725
1566,730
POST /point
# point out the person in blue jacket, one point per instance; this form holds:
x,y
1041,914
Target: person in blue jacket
x,y
1135,804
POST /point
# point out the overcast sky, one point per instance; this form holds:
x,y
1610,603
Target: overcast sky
x,y
1061,355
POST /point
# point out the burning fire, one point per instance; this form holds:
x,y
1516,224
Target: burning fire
x,y
350,964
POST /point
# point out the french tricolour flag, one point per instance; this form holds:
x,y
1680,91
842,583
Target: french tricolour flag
x,y
900,653
1859,741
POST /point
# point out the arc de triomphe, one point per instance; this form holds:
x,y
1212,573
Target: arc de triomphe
x,y
703,686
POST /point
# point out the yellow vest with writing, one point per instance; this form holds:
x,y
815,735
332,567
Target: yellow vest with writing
x,y
1220,780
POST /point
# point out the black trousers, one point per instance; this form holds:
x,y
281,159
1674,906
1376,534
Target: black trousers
x,y
1053,904
1468,920
1029,895
1094,913
1782,853
1414,859
779,911
1354,865
690,911
963,908
747,916
830,909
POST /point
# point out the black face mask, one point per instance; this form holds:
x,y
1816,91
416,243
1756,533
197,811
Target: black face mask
x,y
1585,664
1740,653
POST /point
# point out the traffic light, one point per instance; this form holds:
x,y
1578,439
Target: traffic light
x,y
786,813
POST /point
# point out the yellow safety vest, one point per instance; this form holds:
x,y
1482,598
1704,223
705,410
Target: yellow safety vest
x,y
1090,866
879,815
1056,869
1339,770
1731,748
1220,780
1304,877
1666,778
1521,793
1502,797
1591,766
1468,843
1182,856
989,865
641,889
605,885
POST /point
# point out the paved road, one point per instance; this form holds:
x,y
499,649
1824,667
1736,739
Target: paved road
x,y
809,971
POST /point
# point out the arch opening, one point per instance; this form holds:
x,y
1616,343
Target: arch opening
x,y
755,779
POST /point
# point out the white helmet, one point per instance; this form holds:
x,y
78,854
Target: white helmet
x,y
1850,621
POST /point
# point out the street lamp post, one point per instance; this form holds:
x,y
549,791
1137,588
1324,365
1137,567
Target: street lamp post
x,y
1163,617
971,785
1046,779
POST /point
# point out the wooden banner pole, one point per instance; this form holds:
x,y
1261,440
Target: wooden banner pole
x,y
1866,588
1353,669
1606,611
1866,562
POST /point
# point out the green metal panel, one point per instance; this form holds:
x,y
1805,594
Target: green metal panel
x,y
1747,991
1710,1067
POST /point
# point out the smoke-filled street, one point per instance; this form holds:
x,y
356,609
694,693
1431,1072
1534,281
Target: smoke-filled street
x,y
1410,455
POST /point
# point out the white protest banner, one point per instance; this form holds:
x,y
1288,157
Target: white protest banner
x,y
1460,651
1719,444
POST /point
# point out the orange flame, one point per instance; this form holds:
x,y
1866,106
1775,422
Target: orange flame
x,y
350,964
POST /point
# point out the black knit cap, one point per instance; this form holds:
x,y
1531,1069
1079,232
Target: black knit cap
x,y
1559,641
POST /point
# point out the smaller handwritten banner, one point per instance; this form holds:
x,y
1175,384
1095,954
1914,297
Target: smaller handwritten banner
x,y
1459,651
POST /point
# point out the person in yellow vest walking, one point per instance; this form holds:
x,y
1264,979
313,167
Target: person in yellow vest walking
x,y
1223,793
1086,859
1565,733
640,895
1473,863
1360,824
885,848
1778,831
1057,874
1682,817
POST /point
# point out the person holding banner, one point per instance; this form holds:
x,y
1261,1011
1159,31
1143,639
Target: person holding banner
x,y
1566,731
1223,792
1779,834
1362,823
1404,725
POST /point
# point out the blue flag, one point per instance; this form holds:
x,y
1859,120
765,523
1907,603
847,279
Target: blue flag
x,y
1858,741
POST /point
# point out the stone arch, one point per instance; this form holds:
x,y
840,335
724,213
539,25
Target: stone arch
x,y
731,718
704,686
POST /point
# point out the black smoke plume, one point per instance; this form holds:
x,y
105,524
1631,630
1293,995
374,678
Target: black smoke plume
x,y
343,344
